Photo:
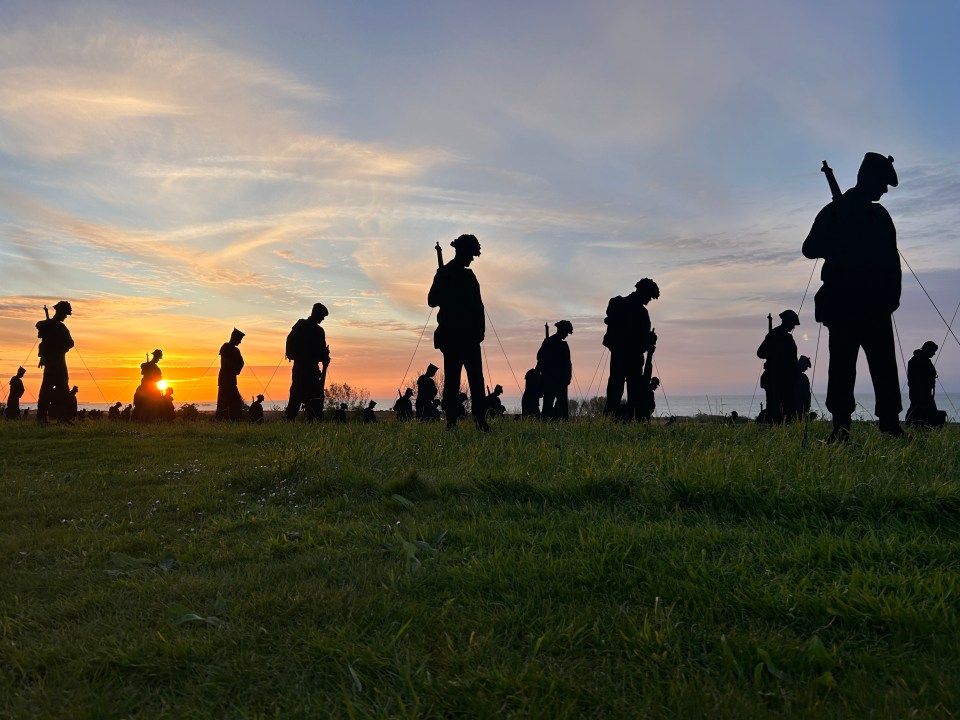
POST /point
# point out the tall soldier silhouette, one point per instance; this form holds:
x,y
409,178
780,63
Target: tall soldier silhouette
x,y
780,370
460,329
922,379
629,335
147,399
16,392
307,348
861,277
556,371
229,401
55,343
426,394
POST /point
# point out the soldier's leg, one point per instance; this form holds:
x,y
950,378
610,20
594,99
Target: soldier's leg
x,y
549,401
296,396
635,386
878,346
615,383
452,367
842,371
562,406
473,364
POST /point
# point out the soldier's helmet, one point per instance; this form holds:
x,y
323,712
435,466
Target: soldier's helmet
x,y
373,404
930,347
408,392
320,309
880,166
564,325
431,369
467,243
498,390
237,334
259,398
646,286
21,371
157,354
789,316
63,306
803,362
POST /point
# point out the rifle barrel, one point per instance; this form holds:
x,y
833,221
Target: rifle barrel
x,y
831,180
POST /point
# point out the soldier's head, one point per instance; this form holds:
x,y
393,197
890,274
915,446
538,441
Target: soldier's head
x,y
74,390
467,248
236,337
875,174
408,393
929,348
157,355
118,404
319,312
343,406
431,370
498,390
648,290
564,328
62,309
789,319
803,363
654,383
21,371
259,398
372,404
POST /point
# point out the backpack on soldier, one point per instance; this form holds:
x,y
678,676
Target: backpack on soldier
x,y
617,320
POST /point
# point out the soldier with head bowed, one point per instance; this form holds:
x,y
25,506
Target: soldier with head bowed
x,y
55,343
460,329
922,381
427,394
556,371
369,415
779,378
256,410
12,411
403,407
148,397
229,400
861,278
307,348
629,335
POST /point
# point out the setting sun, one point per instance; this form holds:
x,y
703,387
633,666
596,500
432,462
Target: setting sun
x,y
162,385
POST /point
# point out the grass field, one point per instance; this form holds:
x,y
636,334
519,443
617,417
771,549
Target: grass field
x,y
580,570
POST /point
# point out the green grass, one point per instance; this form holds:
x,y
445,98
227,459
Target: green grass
x,y
580,570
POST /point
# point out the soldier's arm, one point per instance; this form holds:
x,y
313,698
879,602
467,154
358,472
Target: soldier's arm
x,y
820,237
436,295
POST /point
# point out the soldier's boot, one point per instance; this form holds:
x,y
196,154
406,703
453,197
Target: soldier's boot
x,y
840,432
890,425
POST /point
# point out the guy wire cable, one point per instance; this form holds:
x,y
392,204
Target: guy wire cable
x,y
419,340
662,391
201,378
497,335
603,356
258,382
90,373
274,372
486,359
915,277
903,358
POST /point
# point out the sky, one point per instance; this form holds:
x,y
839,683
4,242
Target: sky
x,y
179,169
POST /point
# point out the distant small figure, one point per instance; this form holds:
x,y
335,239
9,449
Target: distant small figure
x,y
629,335
803,395
922,380
648,400
461,325
55,343
369,416
532,392
148,398
780,370
556,371
12,411
114,412
427,394
494,405
229,400
307,348
403,407
734,417
127,414
69,411
861,277
167,413
340,414
256,410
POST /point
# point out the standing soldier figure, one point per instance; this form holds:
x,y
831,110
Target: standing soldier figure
x,y
256,410
803,394
556,371
922,380
403,407
426,394
307,348
460,330
16,392
148,398
629,335
55,343
780,370
229,401
861,277
369,415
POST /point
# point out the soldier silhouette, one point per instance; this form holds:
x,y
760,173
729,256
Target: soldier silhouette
x,y
493,403
861,278
460,328
628,337
802,394
12,411
922,380
532,392
340,414
256,410
648,398
55,343
127,414
148,397
69,411
307,348
229,400
779,378
369,416
403,407
556,371
114,412
166,411
426,394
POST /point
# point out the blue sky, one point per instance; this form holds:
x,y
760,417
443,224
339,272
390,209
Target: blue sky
x,y
177,168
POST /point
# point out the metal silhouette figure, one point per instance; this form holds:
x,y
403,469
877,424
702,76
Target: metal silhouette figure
x,y
861,279
922,380
256,410
69,411
114,412
12,411
628,336
779,378
426,406
532,392
460,329
55,343
494,404
166,412
369,416
403,407
802,393
307,348
148,398
556,372
229,400
340,414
